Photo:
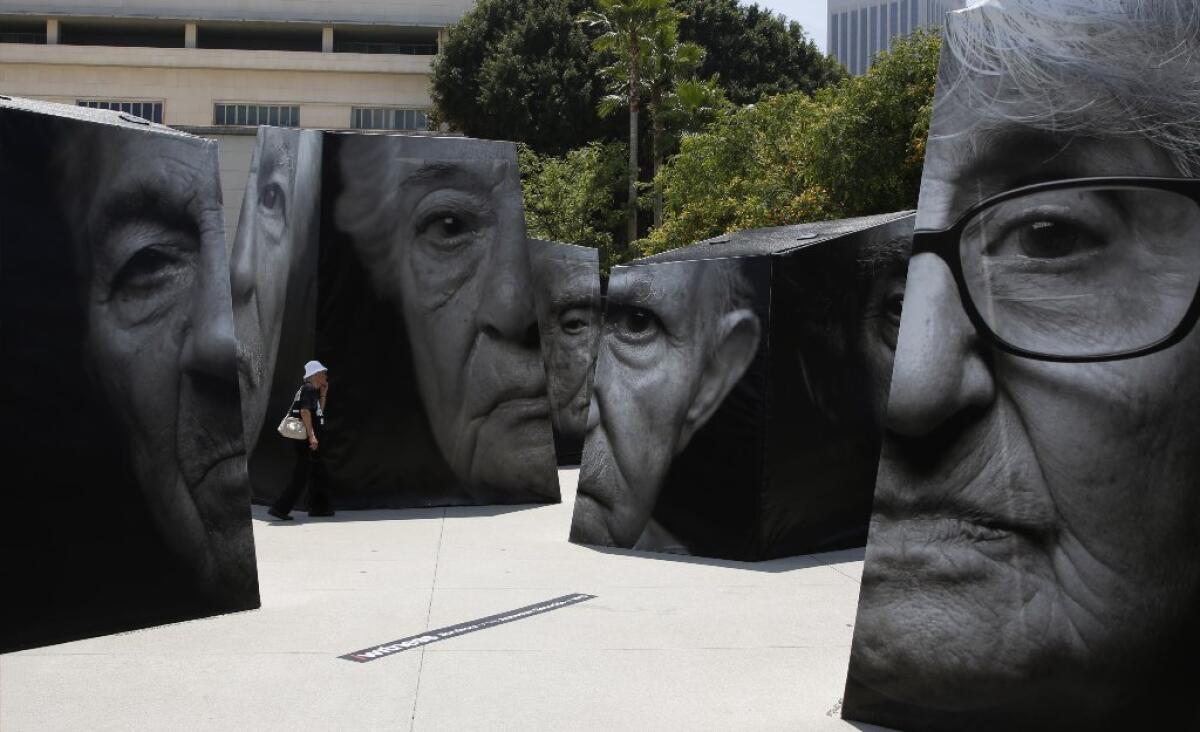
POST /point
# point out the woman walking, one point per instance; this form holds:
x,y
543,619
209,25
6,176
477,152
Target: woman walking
x,y
310,471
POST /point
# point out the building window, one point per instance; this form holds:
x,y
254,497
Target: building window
x,y
864,54
388,118
152,111
22,37
409,49
835,40
845,43
256,114
853,65
893,22
873,31
885,29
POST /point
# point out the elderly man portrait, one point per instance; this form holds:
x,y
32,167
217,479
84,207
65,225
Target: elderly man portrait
x,y
427,307
1034,556
273,277
134,450
835,311
677,338
567,295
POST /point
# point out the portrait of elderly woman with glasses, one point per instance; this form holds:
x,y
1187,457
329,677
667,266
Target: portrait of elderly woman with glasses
x,y
1034,556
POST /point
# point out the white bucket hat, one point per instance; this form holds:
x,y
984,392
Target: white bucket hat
x,y
312,368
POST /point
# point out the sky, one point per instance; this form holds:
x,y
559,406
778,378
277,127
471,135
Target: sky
x,y
812,14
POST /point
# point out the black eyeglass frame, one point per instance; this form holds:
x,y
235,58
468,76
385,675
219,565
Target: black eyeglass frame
x,y
946,243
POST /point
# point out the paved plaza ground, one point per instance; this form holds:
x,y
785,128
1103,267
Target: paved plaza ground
x,y
668,643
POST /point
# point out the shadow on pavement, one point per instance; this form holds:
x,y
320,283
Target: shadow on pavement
x,y
259,513
787,564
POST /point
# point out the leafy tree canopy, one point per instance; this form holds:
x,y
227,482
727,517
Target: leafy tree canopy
x,y
525,70
851,150
522,70
575,198
754,52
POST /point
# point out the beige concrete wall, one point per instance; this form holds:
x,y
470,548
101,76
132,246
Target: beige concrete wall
x,y
324,97
234,152
391,12
213,58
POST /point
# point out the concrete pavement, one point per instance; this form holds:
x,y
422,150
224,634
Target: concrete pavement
x,y
668,643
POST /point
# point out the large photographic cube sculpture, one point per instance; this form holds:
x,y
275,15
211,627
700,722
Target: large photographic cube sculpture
x,y
738,392
1034,556
274,281
409,278
567,296
127,502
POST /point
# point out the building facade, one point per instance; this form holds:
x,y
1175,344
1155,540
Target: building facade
x,y
860,29
219,68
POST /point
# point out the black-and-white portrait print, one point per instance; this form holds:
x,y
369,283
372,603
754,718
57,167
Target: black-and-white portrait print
x,y
1034,553
566,287
426,318
274,282
124,431
835,309
785,462
677,339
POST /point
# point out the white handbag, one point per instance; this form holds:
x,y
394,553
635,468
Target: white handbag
x,y
293,427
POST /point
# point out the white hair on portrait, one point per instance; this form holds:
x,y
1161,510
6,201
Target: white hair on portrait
x,y
1103,68
375,172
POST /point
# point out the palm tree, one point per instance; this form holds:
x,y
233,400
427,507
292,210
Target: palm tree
x,y
669,71
628,30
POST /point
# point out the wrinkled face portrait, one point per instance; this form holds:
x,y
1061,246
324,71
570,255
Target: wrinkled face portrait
x,y
882,308
1037,523
567,290
677,337
160,341
262,255
454,260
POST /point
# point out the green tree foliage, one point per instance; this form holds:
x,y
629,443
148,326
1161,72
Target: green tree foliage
x,y
574,198
522,70
869,149
670,63
629,31
853,149
754,52
675,100
742,172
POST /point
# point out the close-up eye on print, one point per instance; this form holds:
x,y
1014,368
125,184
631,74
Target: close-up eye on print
x,y
1049,227
271,199
154,274
271,215
575,321
635,326
1047,238
891,308
446,229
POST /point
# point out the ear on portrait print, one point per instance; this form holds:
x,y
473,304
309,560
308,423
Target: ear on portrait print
x,y
737,336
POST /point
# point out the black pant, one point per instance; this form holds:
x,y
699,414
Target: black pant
x,y
309,472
